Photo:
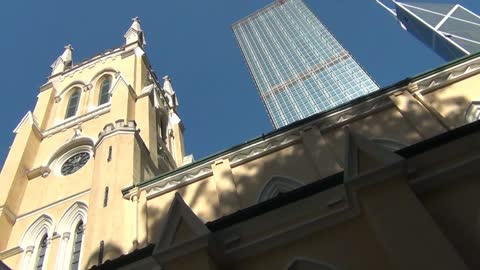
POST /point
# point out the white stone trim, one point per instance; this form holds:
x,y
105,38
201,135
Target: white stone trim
x,y
8,213
66,228
28,118
56,165
90,63
275,185
31,240
10,252
448,76
76,120
56,203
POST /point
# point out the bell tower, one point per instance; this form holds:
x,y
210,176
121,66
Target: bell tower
x,y
98,126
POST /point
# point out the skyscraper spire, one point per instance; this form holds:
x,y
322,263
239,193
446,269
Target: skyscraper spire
x,y
135,33
64,61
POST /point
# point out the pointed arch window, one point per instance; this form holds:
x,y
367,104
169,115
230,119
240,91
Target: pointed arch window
x,y
104,95
73,102
77,246
42,248
277,185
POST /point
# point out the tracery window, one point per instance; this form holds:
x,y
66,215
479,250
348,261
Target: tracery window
x,y
104,95
77,246
42,248
73,102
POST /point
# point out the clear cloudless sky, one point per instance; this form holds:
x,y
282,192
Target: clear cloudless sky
x,y
191,41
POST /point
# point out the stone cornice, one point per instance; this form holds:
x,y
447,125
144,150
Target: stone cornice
x,y
77,120
28,118
258,149
8,213
448,76
84,64
46,86
10,252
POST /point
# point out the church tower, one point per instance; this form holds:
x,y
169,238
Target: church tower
x,y
98,126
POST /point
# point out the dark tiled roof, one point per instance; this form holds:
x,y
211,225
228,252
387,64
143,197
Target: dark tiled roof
x,y
334,180
126,259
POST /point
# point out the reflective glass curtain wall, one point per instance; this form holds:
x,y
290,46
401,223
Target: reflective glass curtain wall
x,y
452,31
298,66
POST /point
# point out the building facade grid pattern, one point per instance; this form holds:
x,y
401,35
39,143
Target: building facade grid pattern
x,y
298,66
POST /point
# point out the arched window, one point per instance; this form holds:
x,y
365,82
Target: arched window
x,y
277,185
77,246
35,243
42,248
73,103
104,95
71,228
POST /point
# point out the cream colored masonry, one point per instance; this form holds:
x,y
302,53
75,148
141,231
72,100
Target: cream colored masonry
x,y
336,119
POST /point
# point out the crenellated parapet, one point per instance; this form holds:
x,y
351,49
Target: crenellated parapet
x,y
119,126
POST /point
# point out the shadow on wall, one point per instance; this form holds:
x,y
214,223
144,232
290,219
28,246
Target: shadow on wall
x,y
99,255
250,177
201,198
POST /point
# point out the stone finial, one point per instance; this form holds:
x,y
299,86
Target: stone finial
x,y
67,54
168,88
64,61
135,33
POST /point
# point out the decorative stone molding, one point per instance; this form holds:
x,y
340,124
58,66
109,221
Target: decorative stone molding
x,y
171,183
8,213
53,204
89,63
263,148
71,217
448,76
10,252
277,185
46,86
119,126
43,225
29,250
43,171
76,120
30,119
353,113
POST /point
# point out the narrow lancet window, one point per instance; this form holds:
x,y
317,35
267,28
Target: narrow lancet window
x,y
105,197
104,95
100,252
77,246
73,103
42,248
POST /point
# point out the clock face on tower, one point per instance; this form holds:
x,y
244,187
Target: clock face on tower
x,y
74,163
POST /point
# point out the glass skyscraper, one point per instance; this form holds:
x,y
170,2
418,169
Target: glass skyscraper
x,y
452,31
298,66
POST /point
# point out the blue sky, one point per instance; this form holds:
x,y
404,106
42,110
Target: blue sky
x,y
191,41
